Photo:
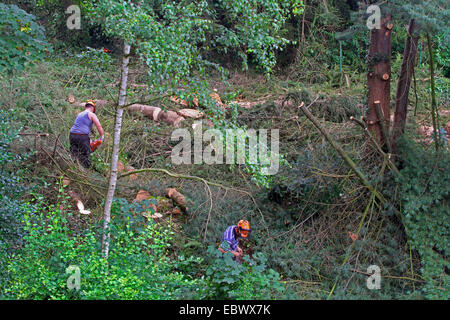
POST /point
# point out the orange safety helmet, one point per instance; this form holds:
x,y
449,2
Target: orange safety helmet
x,y
91,102
244,228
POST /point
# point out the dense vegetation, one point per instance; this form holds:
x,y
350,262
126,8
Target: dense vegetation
x,y
316,226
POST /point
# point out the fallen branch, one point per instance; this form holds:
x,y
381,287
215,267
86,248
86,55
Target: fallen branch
x,y
377,145
389,277
341,151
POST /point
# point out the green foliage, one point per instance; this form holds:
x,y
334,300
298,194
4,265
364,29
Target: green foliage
x,y
431,15
425,213
138,266
173,38
251,280
254,26
11,190
22,40
442,52
298,7
96,59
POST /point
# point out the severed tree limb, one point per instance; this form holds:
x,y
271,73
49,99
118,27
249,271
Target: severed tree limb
x,y
182,176
343,154
377,145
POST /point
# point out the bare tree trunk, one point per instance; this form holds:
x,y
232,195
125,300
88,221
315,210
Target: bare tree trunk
x,y
116,150
378,77
404,82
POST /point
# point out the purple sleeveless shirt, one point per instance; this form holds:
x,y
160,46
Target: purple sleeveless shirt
x,y
82,124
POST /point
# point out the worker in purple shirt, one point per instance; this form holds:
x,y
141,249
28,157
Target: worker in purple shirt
x,y
79,139
230,239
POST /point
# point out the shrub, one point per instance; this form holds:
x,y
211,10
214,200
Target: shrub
x,y
425,194
22,40
138,266
11,232
249,280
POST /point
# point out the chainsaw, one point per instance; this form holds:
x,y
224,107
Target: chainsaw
x,y
95,144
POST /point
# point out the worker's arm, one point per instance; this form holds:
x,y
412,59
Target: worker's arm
x,y
95,120
225,245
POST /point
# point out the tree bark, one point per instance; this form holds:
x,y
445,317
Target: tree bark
x,y
116,150
379,75
404,82
434,111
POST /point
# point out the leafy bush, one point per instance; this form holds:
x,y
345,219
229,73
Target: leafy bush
x,y
426,213
11,231
137,268
249,280
22,40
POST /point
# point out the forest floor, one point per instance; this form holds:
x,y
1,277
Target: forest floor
x,y
306,221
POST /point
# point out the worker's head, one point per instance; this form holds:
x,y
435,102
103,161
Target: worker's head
x,y
90,104
243,227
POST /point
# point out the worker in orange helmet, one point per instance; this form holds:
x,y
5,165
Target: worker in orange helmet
x,y
80,143
230,239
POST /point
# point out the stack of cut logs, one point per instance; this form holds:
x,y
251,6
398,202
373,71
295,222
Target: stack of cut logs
x,y
157,114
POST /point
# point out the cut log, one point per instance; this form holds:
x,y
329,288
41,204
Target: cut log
x,y
191,113
177,197
172,118
149,111
98,103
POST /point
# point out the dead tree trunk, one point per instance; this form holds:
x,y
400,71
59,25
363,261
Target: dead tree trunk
x,y
116,149
404,82
378,77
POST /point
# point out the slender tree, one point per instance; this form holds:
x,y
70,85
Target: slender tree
x,y
116,148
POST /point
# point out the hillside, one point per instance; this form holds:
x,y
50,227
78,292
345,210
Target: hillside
x,y
333,189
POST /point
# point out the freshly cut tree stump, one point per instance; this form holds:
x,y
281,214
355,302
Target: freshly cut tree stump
x,y
177,197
